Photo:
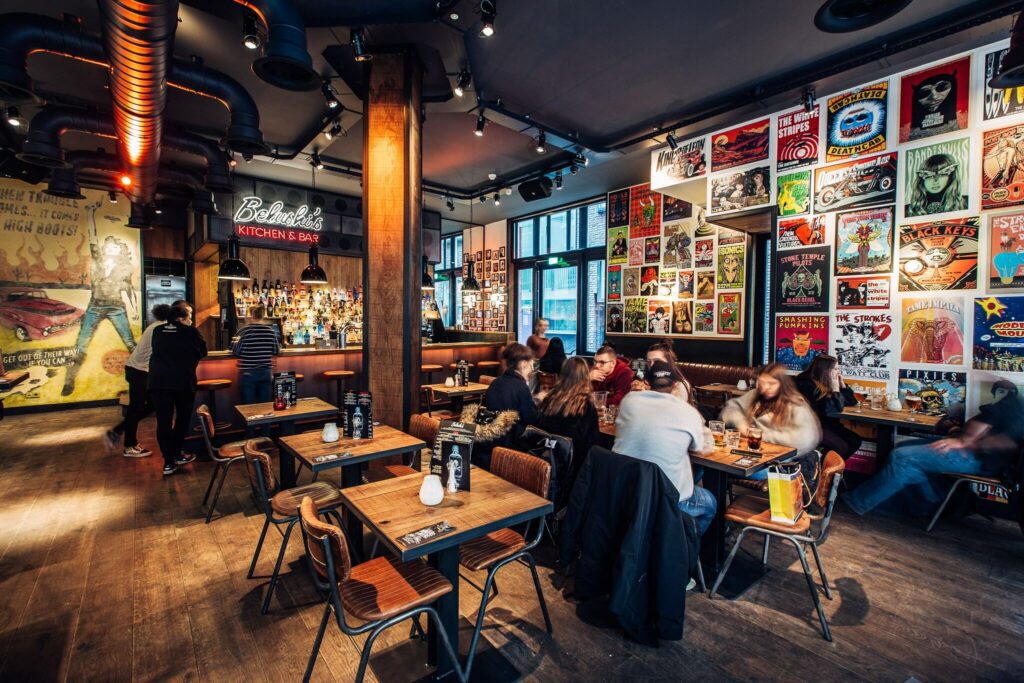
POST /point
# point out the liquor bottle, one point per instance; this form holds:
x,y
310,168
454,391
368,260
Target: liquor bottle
x,y
357,422
307,337
277,287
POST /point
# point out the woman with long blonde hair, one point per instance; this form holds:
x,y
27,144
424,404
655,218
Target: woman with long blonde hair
x,y
568,410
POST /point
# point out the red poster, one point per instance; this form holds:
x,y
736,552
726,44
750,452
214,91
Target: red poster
x,y
644,212
798,139
934,101
799,338
740,146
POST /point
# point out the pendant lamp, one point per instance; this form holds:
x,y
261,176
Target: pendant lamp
x,y
313,274
233,268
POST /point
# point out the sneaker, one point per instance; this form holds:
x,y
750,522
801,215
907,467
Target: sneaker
x,y
136,452
169,469
113,437
690,586
185,458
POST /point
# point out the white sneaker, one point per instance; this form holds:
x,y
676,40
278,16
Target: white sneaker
x,y
136,452
690,586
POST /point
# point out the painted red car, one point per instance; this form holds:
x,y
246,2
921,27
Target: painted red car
x,y
34,315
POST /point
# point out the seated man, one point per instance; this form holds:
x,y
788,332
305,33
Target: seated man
x,y
658,427
989,443
612,374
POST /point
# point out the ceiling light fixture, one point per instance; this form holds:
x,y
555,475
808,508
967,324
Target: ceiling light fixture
x,y
488,10
492,176
316,162
251,32
328,91
14,117
462,83
232,161
573,169
558,180
843,16
313,274
542,143
247,156
112,196
483,199
233,268
508,191
449,203
809,99
126,180
673,144
358,42
453,15
497,199
481,122
334,131
581,159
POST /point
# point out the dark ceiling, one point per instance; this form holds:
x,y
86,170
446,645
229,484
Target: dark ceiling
x,y
609,70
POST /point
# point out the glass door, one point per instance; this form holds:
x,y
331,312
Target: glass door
x,y
560,303
524,320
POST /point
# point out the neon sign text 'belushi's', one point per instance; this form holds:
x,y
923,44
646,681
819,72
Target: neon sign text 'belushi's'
x,y
302,217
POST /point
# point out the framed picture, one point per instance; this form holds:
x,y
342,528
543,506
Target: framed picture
x,y
501,278
489,254
479,256
501,252
501,266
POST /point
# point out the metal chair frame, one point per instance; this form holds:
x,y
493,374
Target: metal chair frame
x,y
329,589
1012,480
288,522
221,467
798,541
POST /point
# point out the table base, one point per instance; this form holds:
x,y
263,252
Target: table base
x,y
744,572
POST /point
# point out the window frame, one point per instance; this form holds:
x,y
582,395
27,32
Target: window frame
x,y
451,268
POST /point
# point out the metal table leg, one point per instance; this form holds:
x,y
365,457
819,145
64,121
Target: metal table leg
x,y
446,562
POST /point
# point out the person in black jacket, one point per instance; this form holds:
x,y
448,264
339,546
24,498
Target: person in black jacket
x,y
177,349
553,359
511,391
567,410
827,394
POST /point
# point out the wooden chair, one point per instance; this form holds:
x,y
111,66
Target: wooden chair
x,y
224,455
382,592
420,426
752,514
486,379
281,507
499,548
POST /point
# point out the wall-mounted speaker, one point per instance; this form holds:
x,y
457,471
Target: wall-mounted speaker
x,y
538,188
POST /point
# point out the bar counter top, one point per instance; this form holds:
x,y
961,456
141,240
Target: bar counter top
x,y
356,348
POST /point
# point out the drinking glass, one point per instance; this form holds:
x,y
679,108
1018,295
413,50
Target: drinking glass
x,y
610,413
860,397
877,399
717,428
754,438
600,399
732,438
913,402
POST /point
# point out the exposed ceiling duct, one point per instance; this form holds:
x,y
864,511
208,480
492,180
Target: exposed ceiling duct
x,y
285,62
43,143
22,34
139,40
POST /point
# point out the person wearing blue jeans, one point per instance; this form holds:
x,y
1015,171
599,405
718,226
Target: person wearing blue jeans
x,y
990,441
701,505
255,348
254,385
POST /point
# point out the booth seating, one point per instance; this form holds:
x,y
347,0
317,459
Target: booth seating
x,y
700,374
488,367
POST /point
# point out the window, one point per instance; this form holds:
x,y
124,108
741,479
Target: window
x,y
448,280
524,238
524,321
595,304
561,231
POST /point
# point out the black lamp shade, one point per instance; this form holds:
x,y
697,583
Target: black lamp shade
x,y
139,217
313,274
428,282
233,268
470,284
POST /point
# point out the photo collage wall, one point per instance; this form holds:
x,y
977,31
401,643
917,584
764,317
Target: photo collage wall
x,y
900,238
670,271
485,246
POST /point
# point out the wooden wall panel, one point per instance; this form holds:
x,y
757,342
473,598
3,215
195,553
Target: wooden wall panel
x,y
206,308
164,242
270,264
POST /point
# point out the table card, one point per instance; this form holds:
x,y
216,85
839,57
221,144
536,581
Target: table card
x,y
452,451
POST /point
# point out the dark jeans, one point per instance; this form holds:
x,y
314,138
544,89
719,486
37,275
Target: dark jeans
x,y
173,416
838,438
138,406
254,385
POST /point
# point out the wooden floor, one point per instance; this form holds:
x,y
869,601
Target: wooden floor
x,y
107,572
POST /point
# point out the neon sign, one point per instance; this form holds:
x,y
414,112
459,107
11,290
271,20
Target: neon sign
x,y
277,234
252,210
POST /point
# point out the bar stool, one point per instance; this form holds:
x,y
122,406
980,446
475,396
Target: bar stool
x,y
299,377
488,367
211,386
339,377
427,369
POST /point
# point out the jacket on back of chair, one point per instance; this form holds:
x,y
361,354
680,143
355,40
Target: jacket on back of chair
x,y
633,544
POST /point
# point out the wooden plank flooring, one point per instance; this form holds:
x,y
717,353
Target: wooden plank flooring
x,y
107,572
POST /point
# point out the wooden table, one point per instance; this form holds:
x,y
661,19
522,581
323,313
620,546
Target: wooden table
x,y
455,394
725,388
263,414
888,421
386,441
720,464
391,508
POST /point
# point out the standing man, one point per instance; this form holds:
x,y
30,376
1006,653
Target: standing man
x,y
255,348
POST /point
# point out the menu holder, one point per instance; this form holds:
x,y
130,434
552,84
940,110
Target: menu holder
x,y
453,449
427,533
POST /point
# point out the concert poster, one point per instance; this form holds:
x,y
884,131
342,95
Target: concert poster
x,y
935,100
864,241
799,339
1000,102
940,255
674,209
704,254
676,246
704,316
797,133
635,315
614,323
856,122
933,330
807,231
731,266
652,250
862,343
802,280
667,283
730,313
1002,168
630,282
685,282
1006,252
793,193
999,333
682,317
937,178
739,190
614,283
649,281
618,209
636,252
741,145
938,392
853,184
618,246
686,162
706,284
644,212
659,316
862,292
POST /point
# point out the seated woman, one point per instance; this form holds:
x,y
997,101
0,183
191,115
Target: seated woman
x,y
824,389
989,443
552,361
662,351
511,391
567,409
778,409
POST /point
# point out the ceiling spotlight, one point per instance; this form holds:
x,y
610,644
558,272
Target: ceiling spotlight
x,y
508,191
483,199
453,15
573,169
558,180
450,203
488,10
247,156
492,176
673,144
328,91
156,208
542,143
334,131
232,161
480,123
14,117
462,83
580,159
251,32
497,199
358,42
316,162
112,196
125,179
809,99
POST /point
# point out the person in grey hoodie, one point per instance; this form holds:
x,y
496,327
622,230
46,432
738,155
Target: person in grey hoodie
x,y
778,409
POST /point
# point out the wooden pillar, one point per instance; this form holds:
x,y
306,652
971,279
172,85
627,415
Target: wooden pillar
x,y
392,208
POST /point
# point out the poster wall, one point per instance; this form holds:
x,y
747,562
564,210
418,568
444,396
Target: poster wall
x,y
70,294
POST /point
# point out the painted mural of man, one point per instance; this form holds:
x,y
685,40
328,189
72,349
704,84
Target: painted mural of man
x,y
112,293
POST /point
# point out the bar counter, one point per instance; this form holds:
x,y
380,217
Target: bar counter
x,y
312,363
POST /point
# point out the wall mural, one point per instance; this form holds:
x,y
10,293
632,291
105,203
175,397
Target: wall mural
x,y
689,274
70,294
